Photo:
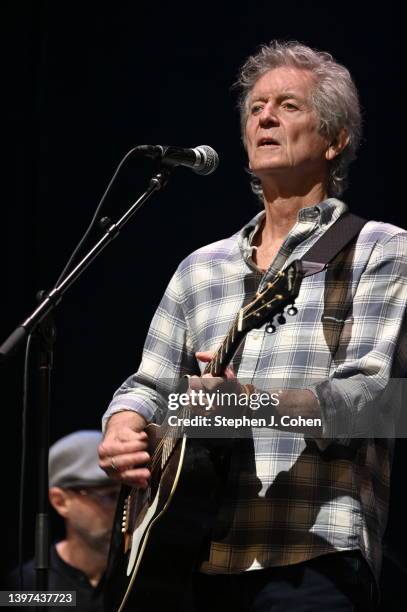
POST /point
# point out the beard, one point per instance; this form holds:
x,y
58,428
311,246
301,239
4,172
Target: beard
x,y
99,541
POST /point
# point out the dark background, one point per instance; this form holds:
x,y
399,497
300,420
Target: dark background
x,y
84,82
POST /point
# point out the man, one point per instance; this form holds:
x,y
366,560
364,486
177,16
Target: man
x,y
85,498
309,510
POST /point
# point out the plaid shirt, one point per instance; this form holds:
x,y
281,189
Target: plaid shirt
x,y
294,497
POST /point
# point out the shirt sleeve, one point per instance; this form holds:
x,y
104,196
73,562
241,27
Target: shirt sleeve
x,y
168,355
369,352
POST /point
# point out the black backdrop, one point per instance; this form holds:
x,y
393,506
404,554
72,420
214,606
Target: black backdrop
x,y
84,82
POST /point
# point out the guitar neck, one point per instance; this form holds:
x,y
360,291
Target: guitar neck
x,y
226,350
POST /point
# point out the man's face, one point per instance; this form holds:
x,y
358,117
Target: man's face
x,y
90,513
282,127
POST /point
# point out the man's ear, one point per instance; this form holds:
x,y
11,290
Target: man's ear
x,y
338,145
59,500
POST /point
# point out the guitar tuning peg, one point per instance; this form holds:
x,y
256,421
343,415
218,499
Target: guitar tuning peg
x,y
281,319
292,310
270,329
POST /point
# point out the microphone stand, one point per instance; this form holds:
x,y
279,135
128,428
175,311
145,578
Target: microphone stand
x,y
46,333
41,320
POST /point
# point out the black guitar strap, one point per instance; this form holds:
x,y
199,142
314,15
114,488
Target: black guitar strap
x,y
333,241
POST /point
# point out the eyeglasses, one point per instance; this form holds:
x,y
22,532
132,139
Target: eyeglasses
x,y
103,496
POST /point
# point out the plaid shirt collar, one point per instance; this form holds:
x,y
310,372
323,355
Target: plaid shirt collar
x,y
309,220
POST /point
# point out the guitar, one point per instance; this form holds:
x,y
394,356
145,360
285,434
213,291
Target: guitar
x,y
188,476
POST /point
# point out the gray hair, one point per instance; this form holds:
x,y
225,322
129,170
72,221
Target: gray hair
x,y
334,99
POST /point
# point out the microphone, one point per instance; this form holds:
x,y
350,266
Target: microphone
x,y
202,160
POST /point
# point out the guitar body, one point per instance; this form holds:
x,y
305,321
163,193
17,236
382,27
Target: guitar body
x,y
170,525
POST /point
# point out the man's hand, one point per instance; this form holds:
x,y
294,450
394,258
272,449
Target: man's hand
x,y
210,385
123,452
206,356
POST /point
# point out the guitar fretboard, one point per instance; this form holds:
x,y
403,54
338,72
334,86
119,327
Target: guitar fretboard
x,y
226,350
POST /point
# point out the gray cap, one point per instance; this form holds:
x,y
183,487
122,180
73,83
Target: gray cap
x,y
73,461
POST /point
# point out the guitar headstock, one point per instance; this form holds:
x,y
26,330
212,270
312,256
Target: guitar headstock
x,y
277,294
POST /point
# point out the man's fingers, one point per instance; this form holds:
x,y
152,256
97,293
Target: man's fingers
x,y
120,463
136,477
123,453
124,435
229,373
204,356
133,478
112,446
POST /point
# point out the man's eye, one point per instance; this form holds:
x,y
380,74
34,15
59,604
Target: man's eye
x,y
290,106
257,108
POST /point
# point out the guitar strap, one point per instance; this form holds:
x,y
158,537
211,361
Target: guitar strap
x,y
332,242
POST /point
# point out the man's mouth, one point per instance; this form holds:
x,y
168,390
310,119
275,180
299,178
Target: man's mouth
x,y
267,141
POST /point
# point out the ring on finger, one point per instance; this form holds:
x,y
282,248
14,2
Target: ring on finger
x,y
113,465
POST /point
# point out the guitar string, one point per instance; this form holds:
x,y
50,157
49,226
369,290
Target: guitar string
x,y
169,432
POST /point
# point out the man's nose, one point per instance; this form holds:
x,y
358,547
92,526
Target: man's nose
x,y
268,116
